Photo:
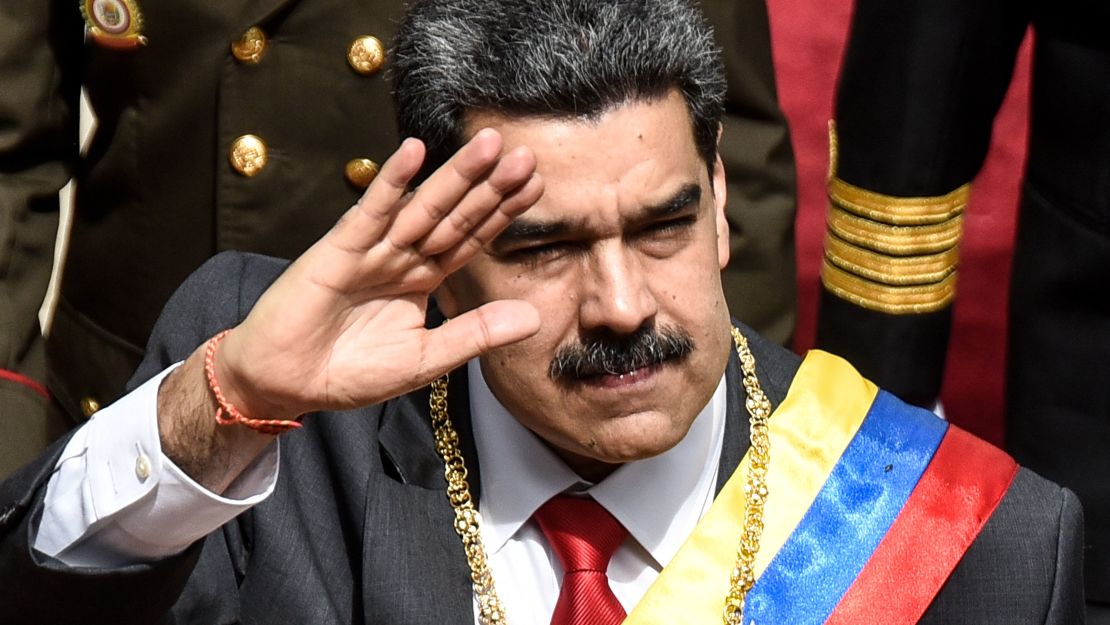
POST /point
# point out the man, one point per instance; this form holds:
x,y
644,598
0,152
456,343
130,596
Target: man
x,y
288,117
920,88
573,241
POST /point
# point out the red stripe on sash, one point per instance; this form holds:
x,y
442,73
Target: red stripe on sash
x,y
949,506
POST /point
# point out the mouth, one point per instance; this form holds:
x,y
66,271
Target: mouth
x,y
622,380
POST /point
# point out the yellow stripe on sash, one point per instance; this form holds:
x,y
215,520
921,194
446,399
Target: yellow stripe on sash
x,y
824,407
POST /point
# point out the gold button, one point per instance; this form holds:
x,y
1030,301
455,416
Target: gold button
x,y
360,172
366,55
89,406
250,46
248,155
142,467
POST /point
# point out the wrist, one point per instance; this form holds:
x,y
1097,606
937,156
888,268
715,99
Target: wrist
x,y
239,400
211,454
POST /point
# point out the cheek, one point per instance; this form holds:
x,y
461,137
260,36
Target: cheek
x,y
484,281
557,304
694,271
554,294
518,376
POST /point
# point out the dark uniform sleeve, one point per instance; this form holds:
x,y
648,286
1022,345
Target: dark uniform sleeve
x,y
755,147
919,89
39,66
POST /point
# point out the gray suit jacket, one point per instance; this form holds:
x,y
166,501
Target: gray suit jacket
x,y
359,528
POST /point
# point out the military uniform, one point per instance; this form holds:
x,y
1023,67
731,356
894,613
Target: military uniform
x,y
253,126
760,280
921,84
37,150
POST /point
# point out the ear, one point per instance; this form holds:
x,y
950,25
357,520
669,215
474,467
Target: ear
x,y
720,194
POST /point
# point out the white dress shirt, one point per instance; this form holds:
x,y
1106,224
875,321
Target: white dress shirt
x,y
116,499
658,500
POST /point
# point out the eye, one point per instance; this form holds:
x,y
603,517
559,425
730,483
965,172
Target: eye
x,y
678,225
535,254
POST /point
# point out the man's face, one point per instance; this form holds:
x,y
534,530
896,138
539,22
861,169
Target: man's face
x,y
621,257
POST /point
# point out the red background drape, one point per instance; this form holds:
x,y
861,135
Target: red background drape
x,y
808,38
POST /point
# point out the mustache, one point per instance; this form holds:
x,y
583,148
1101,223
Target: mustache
x,y
614,355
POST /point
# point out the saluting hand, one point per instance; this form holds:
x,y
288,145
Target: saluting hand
x,y
344,325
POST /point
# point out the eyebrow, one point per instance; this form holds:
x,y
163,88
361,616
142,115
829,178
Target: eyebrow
x,y
523,230
687,195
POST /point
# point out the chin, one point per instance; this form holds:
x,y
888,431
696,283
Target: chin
x,y
637,437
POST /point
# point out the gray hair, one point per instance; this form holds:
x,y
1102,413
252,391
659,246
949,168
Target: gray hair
x,y
550,59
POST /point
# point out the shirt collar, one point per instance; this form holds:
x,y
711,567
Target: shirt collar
x,y
519,473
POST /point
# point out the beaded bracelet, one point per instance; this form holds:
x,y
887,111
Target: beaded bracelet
x,y
228,414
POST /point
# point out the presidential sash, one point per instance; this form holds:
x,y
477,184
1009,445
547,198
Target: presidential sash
x,y
871,505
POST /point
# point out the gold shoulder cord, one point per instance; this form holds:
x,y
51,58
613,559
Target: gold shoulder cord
x,y
468,521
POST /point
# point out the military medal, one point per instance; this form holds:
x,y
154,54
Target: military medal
x,y
114,23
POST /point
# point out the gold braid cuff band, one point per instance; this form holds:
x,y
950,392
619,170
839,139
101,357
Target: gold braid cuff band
x,y
900,211
890,270
896,255
895,300
895,240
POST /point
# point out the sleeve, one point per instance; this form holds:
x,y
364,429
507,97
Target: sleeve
x,y
919,88
759,165
40,44
115,498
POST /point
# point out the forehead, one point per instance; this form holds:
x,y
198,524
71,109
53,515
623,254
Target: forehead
x,y
637,153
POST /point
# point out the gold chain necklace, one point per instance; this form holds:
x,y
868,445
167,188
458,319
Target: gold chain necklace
x,y
468,521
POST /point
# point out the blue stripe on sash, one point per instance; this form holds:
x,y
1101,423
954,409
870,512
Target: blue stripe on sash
x,y
853,511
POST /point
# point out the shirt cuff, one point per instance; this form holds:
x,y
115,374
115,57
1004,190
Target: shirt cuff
x,y
115,499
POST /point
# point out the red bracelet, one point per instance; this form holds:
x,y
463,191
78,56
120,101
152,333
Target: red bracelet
x,y
227,414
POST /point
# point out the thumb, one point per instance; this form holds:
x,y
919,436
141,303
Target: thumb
x,y
476,332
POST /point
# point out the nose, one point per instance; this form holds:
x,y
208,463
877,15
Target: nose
x,y
617,294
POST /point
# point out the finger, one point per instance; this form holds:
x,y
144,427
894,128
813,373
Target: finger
x,y
443,190
476,332
511,172
516,203
363,224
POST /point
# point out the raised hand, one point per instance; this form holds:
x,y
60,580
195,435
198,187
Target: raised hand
x,y
344,325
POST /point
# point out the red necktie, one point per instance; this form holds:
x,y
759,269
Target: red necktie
x,y
584,536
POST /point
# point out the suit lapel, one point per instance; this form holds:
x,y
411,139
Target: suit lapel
x,y
775,368
414,566
737,431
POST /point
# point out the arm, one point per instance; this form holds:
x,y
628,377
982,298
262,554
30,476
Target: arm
x,y
919,88
341,327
